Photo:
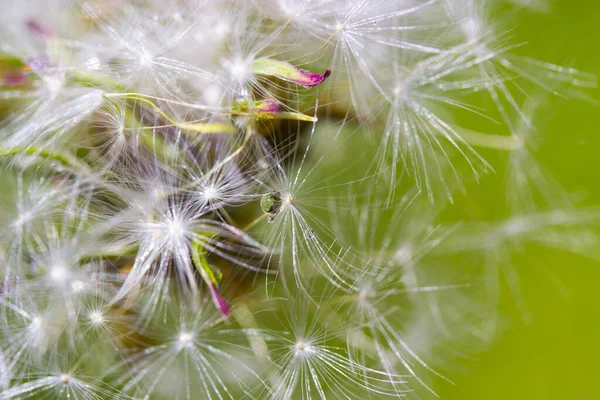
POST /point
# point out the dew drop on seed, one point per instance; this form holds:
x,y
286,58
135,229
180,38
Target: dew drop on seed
x,y
262,164
271,203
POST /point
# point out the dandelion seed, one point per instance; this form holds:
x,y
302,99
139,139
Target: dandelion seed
x,y
286,202
166,232
310,365
39,384
96,317
219,185
196,353
501,245
210,193
398,293
491,58
185,338
416,135
59,274
78,286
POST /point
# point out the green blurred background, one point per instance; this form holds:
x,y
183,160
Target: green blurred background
x,y
556,355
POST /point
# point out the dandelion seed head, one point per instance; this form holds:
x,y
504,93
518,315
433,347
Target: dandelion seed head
x,y
37,330
222,29
210,193
93,63
21,220
142,100
398,91
365,293
303,349
404,255
53,83
37,322
514,227
146,59
78,285
185,338
472,28
171,230
176,229
96,317
238,69
59,273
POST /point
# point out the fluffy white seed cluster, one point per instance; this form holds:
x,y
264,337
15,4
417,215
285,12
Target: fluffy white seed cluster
x,y
226,199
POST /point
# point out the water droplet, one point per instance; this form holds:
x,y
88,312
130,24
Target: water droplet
x,y
271,203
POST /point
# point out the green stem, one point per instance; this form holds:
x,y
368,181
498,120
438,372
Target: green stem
x,y
155,143
249,135
243,315
63,159
89,78
497,142
200,127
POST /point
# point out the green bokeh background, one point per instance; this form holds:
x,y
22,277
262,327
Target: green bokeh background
x,y
557,354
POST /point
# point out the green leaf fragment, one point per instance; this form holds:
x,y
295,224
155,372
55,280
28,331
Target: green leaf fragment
x,y
200,127
268,109
210,274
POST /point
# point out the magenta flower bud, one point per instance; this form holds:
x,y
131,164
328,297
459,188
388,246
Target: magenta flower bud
x,y
287,72
268,106
310,79
14,79
219,301
37,28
